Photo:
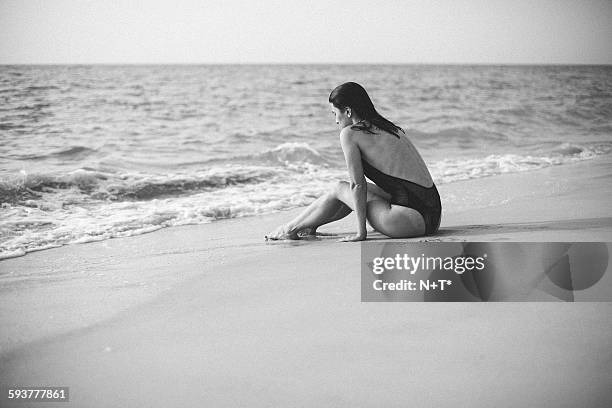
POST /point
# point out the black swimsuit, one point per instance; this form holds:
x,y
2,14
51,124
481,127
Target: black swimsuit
x,y
408,194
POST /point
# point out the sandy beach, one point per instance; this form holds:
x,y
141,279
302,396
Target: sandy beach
x,y
149,149
212,315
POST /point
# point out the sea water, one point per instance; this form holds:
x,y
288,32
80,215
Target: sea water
x,y
93,152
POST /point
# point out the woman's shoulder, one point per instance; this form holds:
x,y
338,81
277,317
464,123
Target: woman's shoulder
x,y
348,135
354,135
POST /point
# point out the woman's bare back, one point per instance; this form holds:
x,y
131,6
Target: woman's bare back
x,y
394,156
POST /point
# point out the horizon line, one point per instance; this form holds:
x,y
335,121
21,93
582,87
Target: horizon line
x,y
308,63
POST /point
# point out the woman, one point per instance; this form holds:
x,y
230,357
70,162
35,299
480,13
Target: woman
x,y
403,203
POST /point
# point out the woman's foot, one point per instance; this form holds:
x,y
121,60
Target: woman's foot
x,y
308,232
283,232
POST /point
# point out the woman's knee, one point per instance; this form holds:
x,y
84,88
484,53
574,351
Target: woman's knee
x,y
339,187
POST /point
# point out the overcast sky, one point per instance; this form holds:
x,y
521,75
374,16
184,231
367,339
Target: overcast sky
x,y
306,31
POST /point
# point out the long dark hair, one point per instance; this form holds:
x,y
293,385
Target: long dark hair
x,y
354,96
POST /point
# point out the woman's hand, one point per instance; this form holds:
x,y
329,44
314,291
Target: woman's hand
x,y
354,238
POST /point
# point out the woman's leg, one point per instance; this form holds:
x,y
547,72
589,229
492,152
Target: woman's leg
x,y
393,220
332,206
343,211
323,210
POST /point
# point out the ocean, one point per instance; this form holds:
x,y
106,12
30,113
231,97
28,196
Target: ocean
x,y
88,153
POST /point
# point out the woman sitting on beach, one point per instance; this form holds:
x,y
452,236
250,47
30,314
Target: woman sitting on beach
x,y
403,203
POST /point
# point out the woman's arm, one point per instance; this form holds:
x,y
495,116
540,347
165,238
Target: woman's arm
x,y
352,155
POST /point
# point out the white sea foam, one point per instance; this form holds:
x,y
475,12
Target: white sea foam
x,y
450,170
76,217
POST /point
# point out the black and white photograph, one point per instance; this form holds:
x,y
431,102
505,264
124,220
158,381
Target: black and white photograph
x,y
306,203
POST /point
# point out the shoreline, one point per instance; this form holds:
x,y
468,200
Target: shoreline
x,y
458,201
